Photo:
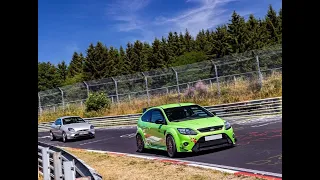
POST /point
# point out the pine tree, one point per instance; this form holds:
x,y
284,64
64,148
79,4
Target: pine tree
x,y
138,58
48,76
114,65
63,70
272,26
238,32
128,62
157,58
122,57
147,54
188,41
76,63
165,53
221,39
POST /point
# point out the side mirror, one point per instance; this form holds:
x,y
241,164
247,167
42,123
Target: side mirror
x,y
159,121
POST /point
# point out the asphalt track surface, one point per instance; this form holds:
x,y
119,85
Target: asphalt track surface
x,y
259,145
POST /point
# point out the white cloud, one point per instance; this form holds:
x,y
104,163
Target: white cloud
x,y
205,14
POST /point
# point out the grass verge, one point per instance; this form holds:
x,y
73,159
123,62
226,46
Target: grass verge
x,y
122,167
234,91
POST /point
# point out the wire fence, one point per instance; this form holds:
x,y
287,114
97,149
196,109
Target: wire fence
x,y
175,80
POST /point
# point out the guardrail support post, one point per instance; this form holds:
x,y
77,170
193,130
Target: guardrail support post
x,y
177,79
39,104
62,98
69,170
116,87
259,71
217,77
146,82
45,164
87,86
57,164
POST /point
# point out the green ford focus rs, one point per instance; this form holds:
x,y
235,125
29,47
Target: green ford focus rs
x,y
184,127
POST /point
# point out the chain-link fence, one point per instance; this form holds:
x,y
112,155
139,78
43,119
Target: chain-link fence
x,y
252,64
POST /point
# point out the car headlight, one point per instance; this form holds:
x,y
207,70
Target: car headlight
x,y
71,130
227,125
91,127
186,131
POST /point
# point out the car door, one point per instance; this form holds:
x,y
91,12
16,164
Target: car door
x,y
157,128
145,126
56,127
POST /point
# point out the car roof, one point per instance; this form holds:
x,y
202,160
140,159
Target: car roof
x,y
63,117
166,106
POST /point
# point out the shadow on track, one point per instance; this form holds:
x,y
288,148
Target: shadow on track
x,y
184,154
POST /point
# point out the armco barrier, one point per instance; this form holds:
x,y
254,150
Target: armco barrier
x,y
261,107
55,163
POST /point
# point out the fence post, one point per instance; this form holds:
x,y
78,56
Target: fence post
x,y
69,170
87,86
39,104
62,98
146,82
177,79
217,77
45,163
57,164
116,87
129,98
260,74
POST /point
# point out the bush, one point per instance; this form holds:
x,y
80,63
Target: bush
x,y
97,101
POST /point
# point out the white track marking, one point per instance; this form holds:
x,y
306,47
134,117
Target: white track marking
x,y
44,137
95,141
260,125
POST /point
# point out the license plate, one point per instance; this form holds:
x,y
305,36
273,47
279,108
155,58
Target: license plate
x,y
83,132
213,137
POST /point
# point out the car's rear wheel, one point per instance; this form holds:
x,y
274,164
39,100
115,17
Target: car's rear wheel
x,y
140,143
64,137
171,146
52,137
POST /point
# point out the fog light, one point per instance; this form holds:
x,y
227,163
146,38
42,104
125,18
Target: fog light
x,y
185,144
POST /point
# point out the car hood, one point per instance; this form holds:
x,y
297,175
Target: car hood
x,y
78,126
199,123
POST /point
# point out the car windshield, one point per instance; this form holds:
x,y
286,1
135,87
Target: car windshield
x,y
71,120
184,113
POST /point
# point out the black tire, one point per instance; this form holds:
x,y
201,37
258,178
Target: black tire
x,y
140,143
64,137
52,137
171,146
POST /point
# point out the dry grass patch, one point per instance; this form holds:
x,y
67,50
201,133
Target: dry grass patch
x,y
121,167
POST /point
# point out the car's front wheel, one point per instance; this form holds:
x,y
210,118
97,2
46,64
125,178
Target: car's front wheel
x,y
140,143
64,137
171,146
52,137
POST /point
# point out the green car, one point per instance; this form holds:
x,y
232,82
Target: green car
x,y
184,127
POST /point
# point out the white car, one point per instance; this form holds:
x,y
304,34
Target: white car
x,y
71,127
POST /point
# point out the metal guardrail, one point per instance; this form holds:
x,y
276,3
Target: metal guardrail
x,y
261,107
55,163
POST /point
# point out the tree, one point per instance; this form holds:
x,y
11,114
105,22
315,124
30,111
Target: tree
x,y
115,65
188,41
272,25
62,71
76,64
157,59
48,76
128,59
239,33
221,39
122,65
138,64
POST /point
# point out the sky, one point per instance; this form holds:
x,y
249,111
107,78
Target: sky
x,y
66,26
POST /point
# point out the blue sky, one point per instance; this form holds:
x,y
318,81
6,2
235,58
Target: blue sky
x,y
66,26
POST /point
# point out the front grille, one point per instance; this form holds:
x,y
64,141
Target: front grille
x,y
205,145
84,130
209,129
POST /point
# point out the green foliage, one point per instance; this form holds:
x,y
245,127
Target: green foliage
x,y
188,58
178,48
97,101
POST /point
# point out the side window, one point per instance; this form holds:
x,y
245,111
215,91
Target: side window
x,y
156,115
146,116
58,122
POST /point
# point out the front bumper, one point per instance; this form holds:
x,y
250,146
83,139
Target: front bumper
x,y
79,134
197,142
